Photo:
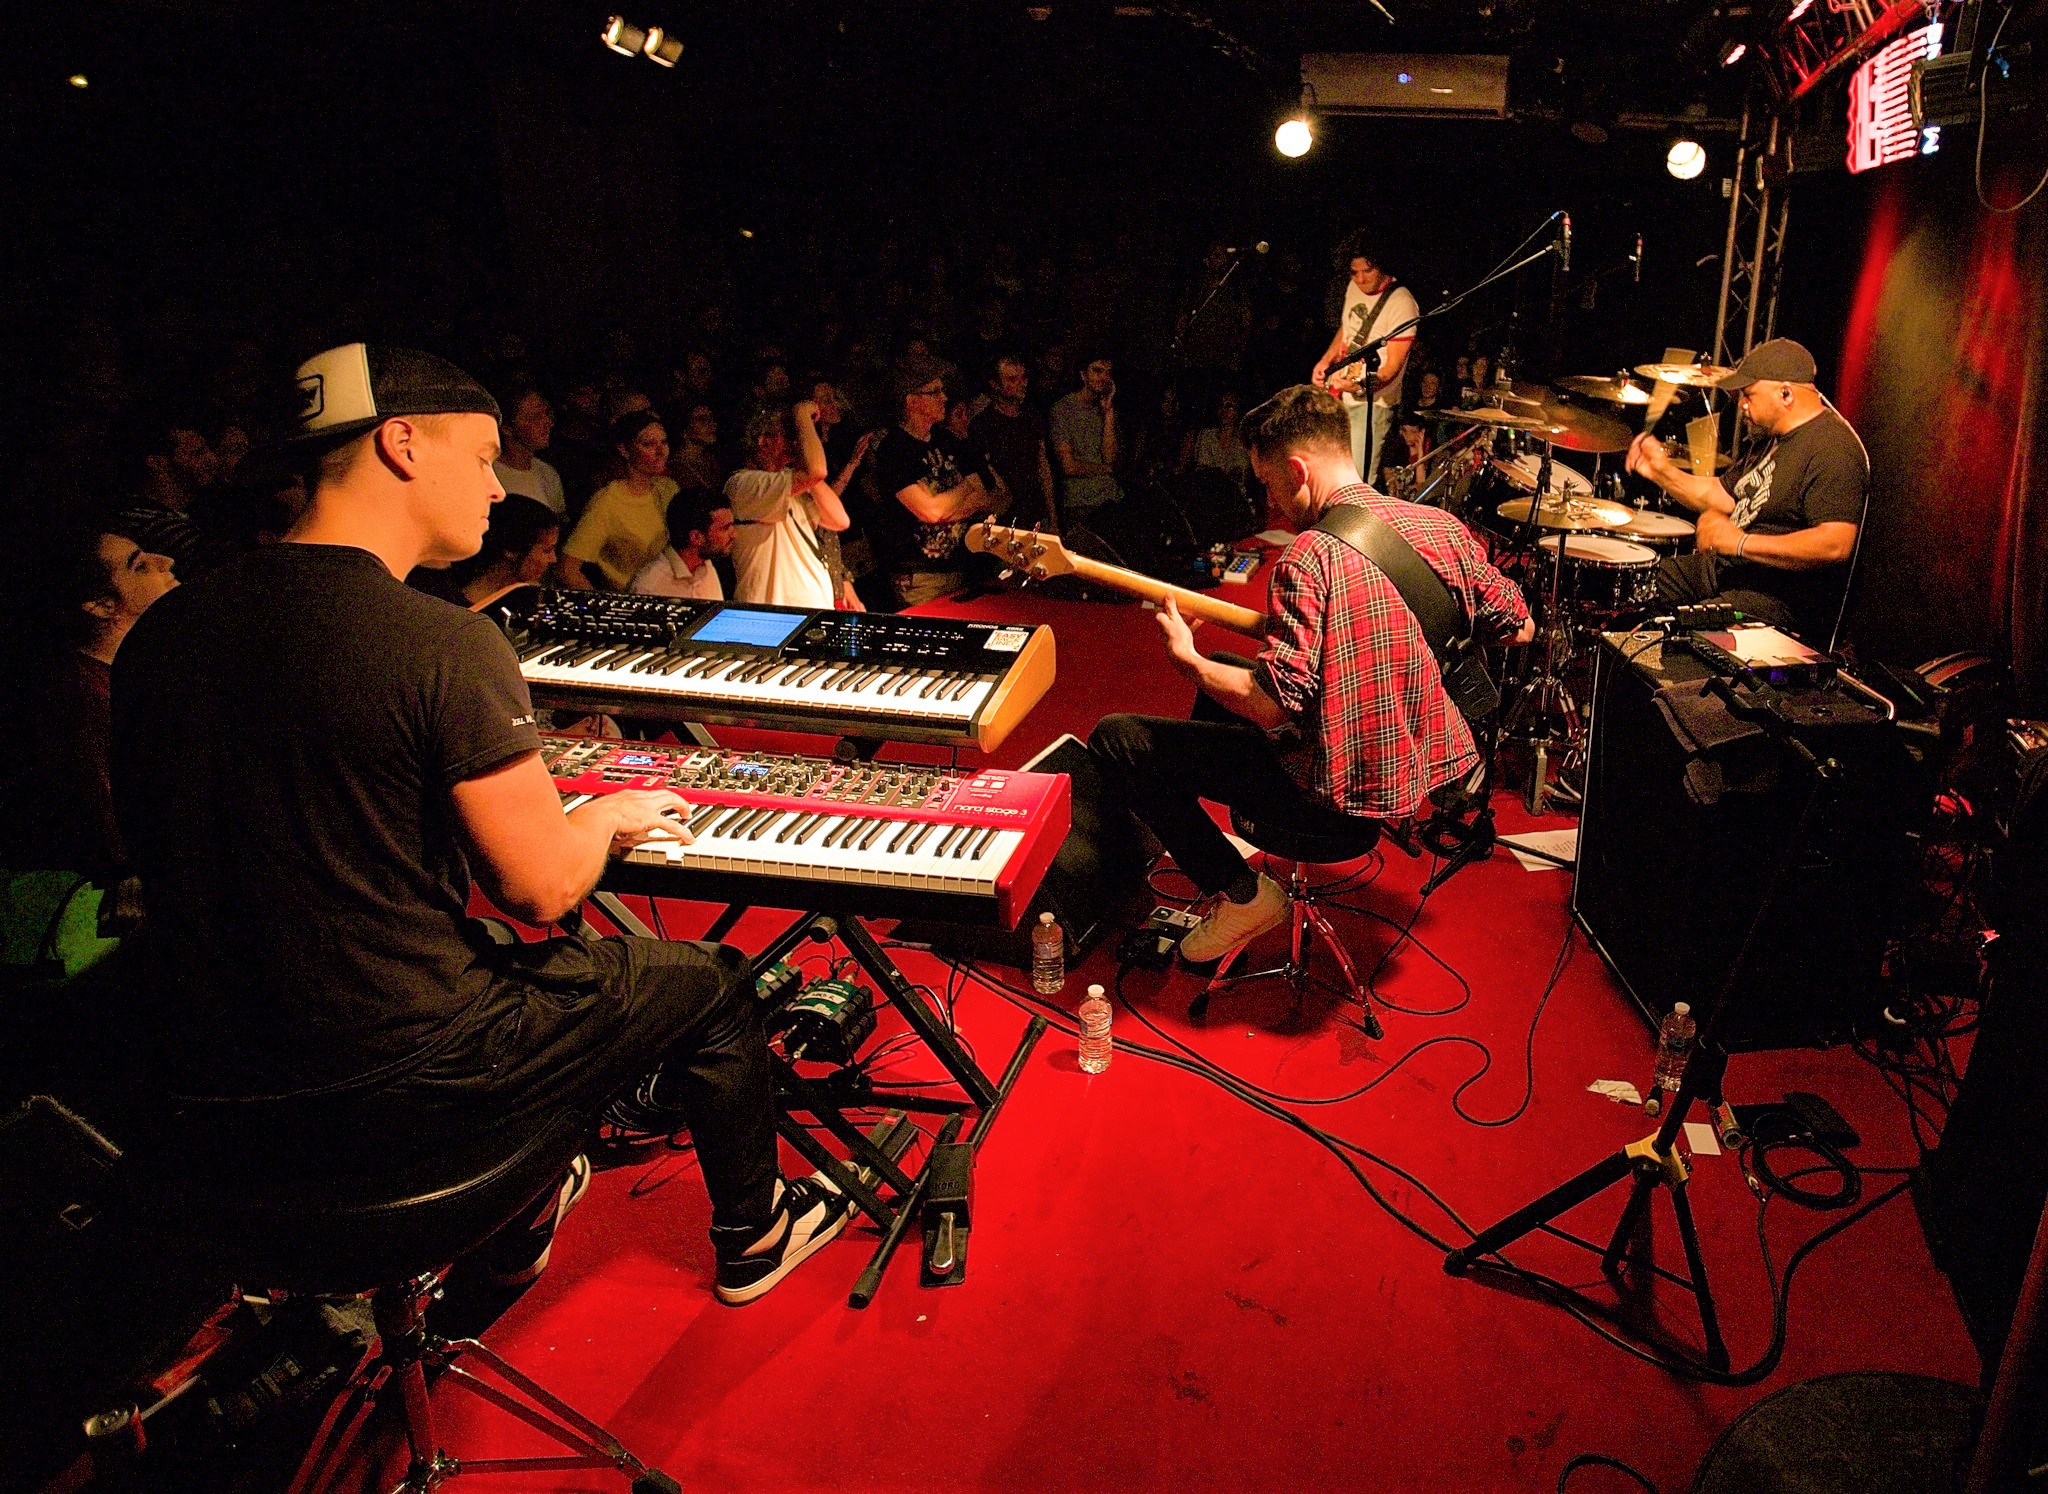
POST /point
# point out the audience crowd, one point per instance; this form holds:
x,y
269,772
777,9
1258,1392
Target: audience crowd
x,y
828,449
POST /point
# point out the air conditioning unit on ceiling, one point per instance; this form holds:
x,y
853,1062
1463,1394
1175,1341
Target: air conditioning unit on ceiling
x,y
1408,85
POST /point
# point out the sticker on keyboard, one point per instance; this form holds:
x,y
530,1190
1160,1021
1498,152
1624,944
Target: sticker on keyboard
x,y
1007,640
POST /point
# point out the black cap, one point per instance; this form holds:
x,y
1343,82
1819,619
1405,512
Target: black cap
x,y
348,390
1781,358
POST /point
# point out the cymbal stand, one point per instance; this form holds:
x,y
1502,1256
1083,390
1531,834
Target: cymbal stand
x,y
1545,704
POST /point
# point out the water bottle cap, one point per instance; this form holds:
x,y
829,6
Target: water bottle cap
x,y
1681,1006
1045,918
1095,990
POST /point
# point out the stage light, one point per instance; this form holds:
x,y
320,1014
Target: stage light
x,y
1733,52
623,37
78,80
1294,137
661,48
1686,159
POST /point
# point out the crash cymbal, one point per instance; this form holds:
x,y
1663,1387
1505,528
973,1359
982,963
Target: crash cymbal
x,y
1574,429
1619,390
1698,375
1567,513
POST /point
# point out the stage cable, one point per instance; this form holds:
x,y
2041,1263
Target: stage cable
x,y
1569,1299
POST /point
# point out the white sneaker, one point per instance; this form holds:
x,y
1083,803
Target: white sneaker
x,y
1231,924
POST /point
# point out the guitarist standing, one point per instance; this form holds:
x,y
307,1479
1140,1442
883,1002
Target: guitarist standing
x,y
1342,715
1374,305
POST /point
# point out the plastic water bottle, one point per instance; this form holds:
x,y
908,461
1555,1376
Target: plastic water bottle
x,y
1674,1043
1048,957
1096,1043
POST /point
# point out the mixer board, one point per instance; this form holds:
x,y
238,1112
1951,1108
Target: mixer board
x,y
887,839
878,675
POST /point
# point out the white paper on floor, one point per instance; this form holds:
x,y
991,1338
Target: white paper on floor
x,y
1563,843
1618,1090
1702,1137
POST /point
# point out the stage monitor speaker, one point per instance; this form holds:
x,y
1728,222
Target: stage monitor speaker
x,y
1092,886
1667,886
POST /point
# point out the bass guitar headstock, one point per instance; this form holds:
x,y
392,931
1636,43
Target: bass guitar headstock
x,y
1032,551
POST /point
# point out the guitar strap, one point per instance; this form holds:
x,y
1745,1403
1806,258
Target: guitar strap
x,y
1365,326
1445,626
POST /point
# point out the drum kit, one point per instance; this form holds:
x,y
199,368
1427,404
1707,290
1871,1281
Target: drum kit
x,y
1585,556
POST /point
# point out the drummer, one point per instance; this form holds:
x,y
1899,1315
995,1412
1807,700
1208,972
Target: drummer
x,y
1777,537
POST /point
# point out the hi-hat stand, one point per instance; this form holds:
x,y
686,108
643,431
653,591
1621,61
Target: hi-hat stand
x,y
1656,1160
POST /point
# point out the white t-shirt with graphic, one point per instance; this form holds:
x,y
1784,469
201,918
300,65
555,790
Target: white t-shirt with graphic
x,y
1400,308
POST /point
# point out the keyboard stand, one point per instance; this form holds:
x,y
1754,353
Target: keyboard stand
x,y
869,1172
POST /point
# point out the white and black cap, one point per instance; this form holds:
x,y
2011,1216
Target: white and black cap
x,y
350,389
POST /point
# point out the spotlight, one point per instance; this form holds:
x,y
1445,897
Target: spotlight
x,y
623,37
661,48
1294,137
78,80
1686,159
1733,52
1799,8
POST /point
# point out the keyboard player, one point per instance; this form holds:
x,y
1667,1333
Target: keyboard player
x,y
310,760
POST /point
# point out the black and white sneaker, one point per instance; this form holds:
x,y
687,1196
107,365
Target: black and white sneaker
x,y
517,1258
808,1213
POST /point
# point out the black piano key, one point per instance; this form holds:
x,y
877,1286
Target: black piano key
x,y
898,838
869,838
818,821
918,839
801,822
952,834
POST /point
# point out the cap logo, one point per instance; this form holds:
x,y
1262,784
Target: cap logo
x,y
312,396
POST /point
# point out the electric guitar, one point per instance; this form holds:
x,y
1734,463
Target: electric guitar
x,y
1039,555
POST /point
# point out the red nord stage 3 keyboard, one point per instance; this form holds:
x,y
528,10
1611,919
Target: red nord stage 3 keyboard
x,y
816,834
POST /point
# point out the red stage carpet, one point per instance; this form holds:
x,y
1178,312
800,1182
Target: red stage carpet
x,y
1168,1288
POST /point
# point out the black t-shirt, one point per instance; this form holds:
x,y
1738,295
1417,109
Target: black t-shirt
x,y
286,735
902,542
1013,444
1816,474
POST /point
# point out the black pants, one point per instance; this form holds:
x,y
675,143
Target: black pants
x,y
1686,579
1163,768
568,1025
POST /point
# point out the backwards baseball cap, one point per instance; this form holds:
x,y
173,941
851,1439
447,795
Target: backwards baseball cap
x,y
1781,358
348,390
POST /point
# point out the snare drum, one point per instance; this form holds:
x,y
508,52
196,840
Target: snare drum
x,y
1667,534
1604,575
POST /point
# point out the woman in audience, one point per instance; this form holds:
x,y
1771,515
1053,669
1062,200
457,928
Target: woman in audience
x,y
626,523
695,463
519,549
1217,445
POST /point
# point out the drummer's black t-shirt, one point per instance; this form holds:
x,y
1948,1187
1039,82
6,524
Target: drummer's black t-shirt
x,y
1816,474
287,731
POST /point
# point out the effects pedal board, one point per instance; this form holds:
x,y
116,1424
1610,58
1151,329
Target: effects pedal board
x,y
1150,946
1242,565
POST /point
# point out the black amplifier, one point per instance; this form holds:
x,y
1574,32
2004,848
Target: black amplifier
x,y
1695,784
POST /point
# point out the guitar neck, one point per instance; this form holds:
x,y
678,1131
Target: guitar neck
x,y
1191,603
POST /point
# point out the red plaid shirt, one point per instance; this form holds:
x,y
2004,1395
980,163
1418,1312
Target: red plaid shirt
x,y
1347,662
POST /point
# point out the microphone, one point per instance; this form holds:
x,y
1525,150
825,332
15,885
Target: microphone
x,y
1636,260
1261,247
1564,242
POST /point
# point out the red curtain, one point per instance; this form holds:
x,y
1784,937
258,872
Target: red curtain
x,y
1942,371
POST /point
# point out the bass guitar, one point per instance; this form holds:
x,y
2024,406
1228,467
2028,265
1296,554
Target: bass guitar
x,y
1039,555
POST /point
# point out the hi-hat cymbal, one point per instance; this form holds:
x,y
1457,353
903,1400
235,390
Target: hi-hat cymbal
x,y
1619,390
1697,374
1505,419
1567,513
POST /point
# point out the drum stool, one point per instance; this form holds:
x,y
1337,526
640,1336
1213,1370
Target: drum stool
x,y
394,1249
1334,839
